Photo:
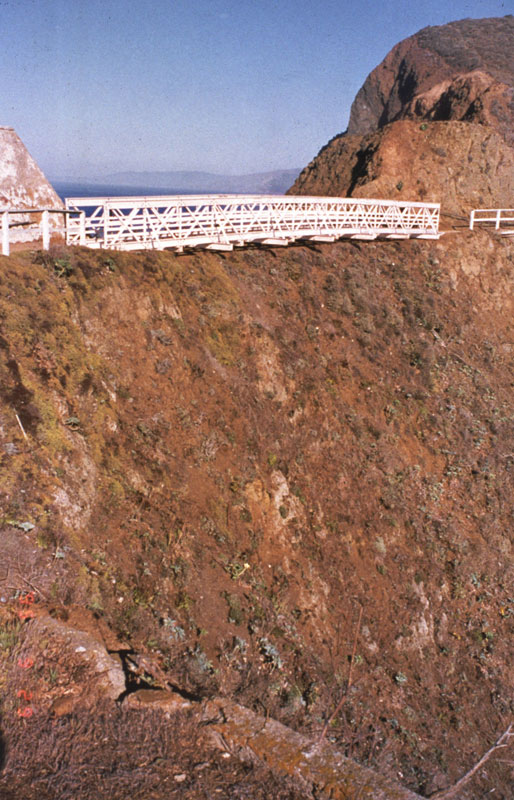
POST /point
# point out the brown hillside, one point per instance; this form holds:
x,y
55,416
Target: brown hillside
x,y
223,459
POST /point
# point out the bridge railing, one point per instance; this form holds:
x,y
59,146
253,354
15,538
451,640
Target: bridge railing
x,y
492,217
31,224
202,220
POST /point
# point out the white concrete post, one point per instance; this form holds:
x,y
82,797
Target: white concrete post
x,y
5,233
82,228
45,227
106,227
498,215
472,220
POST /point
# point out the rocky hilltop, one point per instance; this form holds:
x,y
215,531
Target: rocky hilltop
x,y
455,84
463,70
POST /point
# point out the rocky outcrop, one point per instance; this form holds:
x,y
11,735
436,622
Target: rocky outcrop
x,y
473,97
23,185
434,121
92,672
437,57
464,166
322,771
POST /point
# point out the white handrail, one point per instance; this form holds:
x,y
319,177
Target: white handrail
x,y
44,228
493,217
221,221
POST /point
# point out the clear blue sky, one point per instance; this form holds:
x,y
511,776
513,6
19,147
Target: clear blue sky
x,y
234,86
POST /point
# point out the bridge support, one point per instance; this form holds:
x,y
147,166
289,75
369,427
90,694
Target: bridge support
x,y
319,238
274,242
220,246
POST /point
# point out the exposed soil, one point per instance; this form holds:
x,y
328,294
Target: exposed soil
x,y
223,458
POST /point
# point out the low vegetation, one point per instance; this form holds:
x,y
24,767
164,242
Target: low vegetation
x,y
233,463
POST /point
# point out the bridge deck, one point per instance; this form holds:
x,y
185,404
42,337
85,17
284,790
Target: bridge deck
x,y
135,223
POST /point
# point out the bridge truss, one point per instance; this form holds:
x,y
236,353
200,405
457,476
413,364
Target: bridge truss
x,y
222,221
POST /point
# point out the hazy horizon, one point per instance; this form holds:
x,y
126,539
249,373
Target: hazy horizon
x,y
116,174
220,86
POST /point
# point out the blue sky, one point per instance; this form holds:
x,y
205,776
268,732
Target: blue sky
x,y
232,86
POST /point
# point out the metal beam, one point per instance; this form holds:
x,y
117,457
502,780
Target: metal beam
x,y
274,242
5,234
319,238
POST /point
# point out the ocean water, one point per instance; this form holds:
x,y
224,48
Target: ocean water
x,y
65,190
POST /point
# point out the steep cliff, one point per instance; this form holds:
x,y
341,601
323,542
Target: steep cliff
x,y
214,462
454,83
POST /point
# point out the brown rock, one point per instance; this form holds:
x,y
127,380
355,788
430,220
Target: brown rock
x,y
102,673
162,699
441,77
459,164
317,767
431,57
474,97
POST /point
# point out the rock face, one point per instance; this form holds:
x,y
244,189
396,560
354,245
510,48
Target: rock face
x,y
472,97
322,771
434,121
92,672
463,66
23,185
464,166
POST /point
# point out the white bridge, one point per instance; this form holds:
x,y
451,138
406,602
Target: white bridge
x,y
218,222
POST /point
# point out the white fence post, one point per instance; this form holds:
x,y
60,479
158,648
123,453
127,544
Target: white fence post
x,y
45,226
106,226
5,233
82,228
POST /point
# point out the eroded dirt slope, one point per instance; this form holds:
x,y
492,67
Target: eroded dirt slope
x,y
224,458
